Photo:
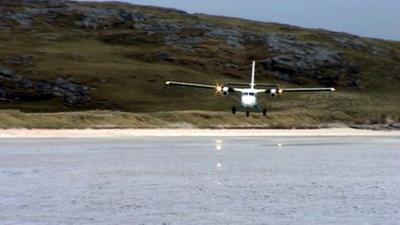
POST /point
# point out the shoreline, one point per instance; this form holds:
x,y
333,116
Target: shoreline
x,y
130,133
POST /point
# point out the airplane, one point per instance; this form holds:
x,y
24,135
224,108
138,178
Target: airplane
x,y
249,91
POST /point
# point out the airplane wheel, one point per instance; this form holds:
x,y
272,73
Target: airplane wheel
x,y
247,113
264,112
233,110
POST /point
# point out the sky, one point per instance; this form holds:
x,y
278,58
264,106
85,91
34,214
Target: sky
x,y
370,18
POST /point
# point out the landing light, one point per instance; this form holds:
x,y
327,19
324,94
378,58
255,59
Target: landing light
x,y
219,88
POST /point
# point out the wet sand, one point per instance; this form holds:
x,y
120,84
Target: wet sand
x,y
208,180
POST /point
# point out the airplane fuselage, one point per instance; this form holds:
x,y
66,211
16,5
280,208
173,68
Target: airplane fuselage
x,y
248,98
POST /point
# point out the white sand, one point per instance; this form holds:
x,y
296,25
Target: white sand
x,y
124,133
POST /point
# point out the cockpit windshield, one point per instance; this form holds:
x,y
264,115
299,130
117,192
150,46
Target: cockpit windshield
x,y
249,93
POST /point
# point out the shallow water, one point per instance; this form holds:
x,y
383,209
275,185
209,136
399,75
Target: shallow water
x,y
293,180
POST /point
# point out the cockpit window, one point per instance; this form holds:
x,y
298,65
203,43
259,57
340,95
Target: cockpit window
x,y
249,93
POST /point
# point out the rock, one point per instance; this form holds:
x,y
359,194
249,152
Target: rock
x,y
234,38
95,18
159,27
311,53
356,83
132,16
282,43
202,26
25,83
17,88
23,19
284,64
166,56
41,86
183,43
284,76
6,72
302,58
25,16
355,42
87,17
22,60
73,94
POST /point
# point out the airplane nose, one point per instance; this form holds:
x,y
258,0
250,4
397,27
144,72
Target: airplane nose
x,y
248,101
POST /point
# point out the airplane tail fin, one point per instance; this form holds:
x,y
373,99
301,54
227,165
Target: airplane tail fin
x,y
253,74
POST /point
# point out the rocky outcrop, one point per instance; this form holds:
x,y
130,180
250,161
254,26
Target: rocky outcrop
x,y
296,59
92,18
183,43
21,60
354,42
166,56
104,17
25,16
159,27
235,37
16,88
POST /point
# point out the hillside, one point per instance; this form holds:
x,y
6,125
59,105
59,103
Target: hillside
x,y
64,56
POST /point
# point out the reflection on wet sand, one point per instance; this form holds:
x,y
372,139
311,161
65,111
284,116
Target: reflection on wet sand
x,y
296,180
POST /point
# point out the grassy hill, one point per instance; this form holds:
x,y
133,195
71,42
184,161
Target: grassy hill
x,y
60,56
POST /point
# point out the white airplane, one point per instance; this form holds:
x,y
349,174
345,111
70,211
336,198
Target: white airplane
x,y
248,92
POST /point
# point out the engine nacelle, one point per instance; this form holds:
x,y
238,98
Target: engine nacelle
x,y
225,91
273,92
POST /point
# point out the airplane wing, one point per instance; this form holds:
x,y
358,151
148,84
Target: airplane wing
x,y
193,85
273,92
306,89
218,88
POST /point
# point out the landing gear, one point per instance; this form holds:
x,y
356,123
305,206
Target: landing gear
x,y
233,110
264,112
247,113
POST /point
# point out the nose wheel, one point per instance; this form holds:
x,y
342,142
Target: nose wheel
x,y
264,112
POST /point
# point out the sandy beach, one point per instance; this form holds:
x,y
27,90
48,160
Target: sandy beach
x,y
126,133
208,180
